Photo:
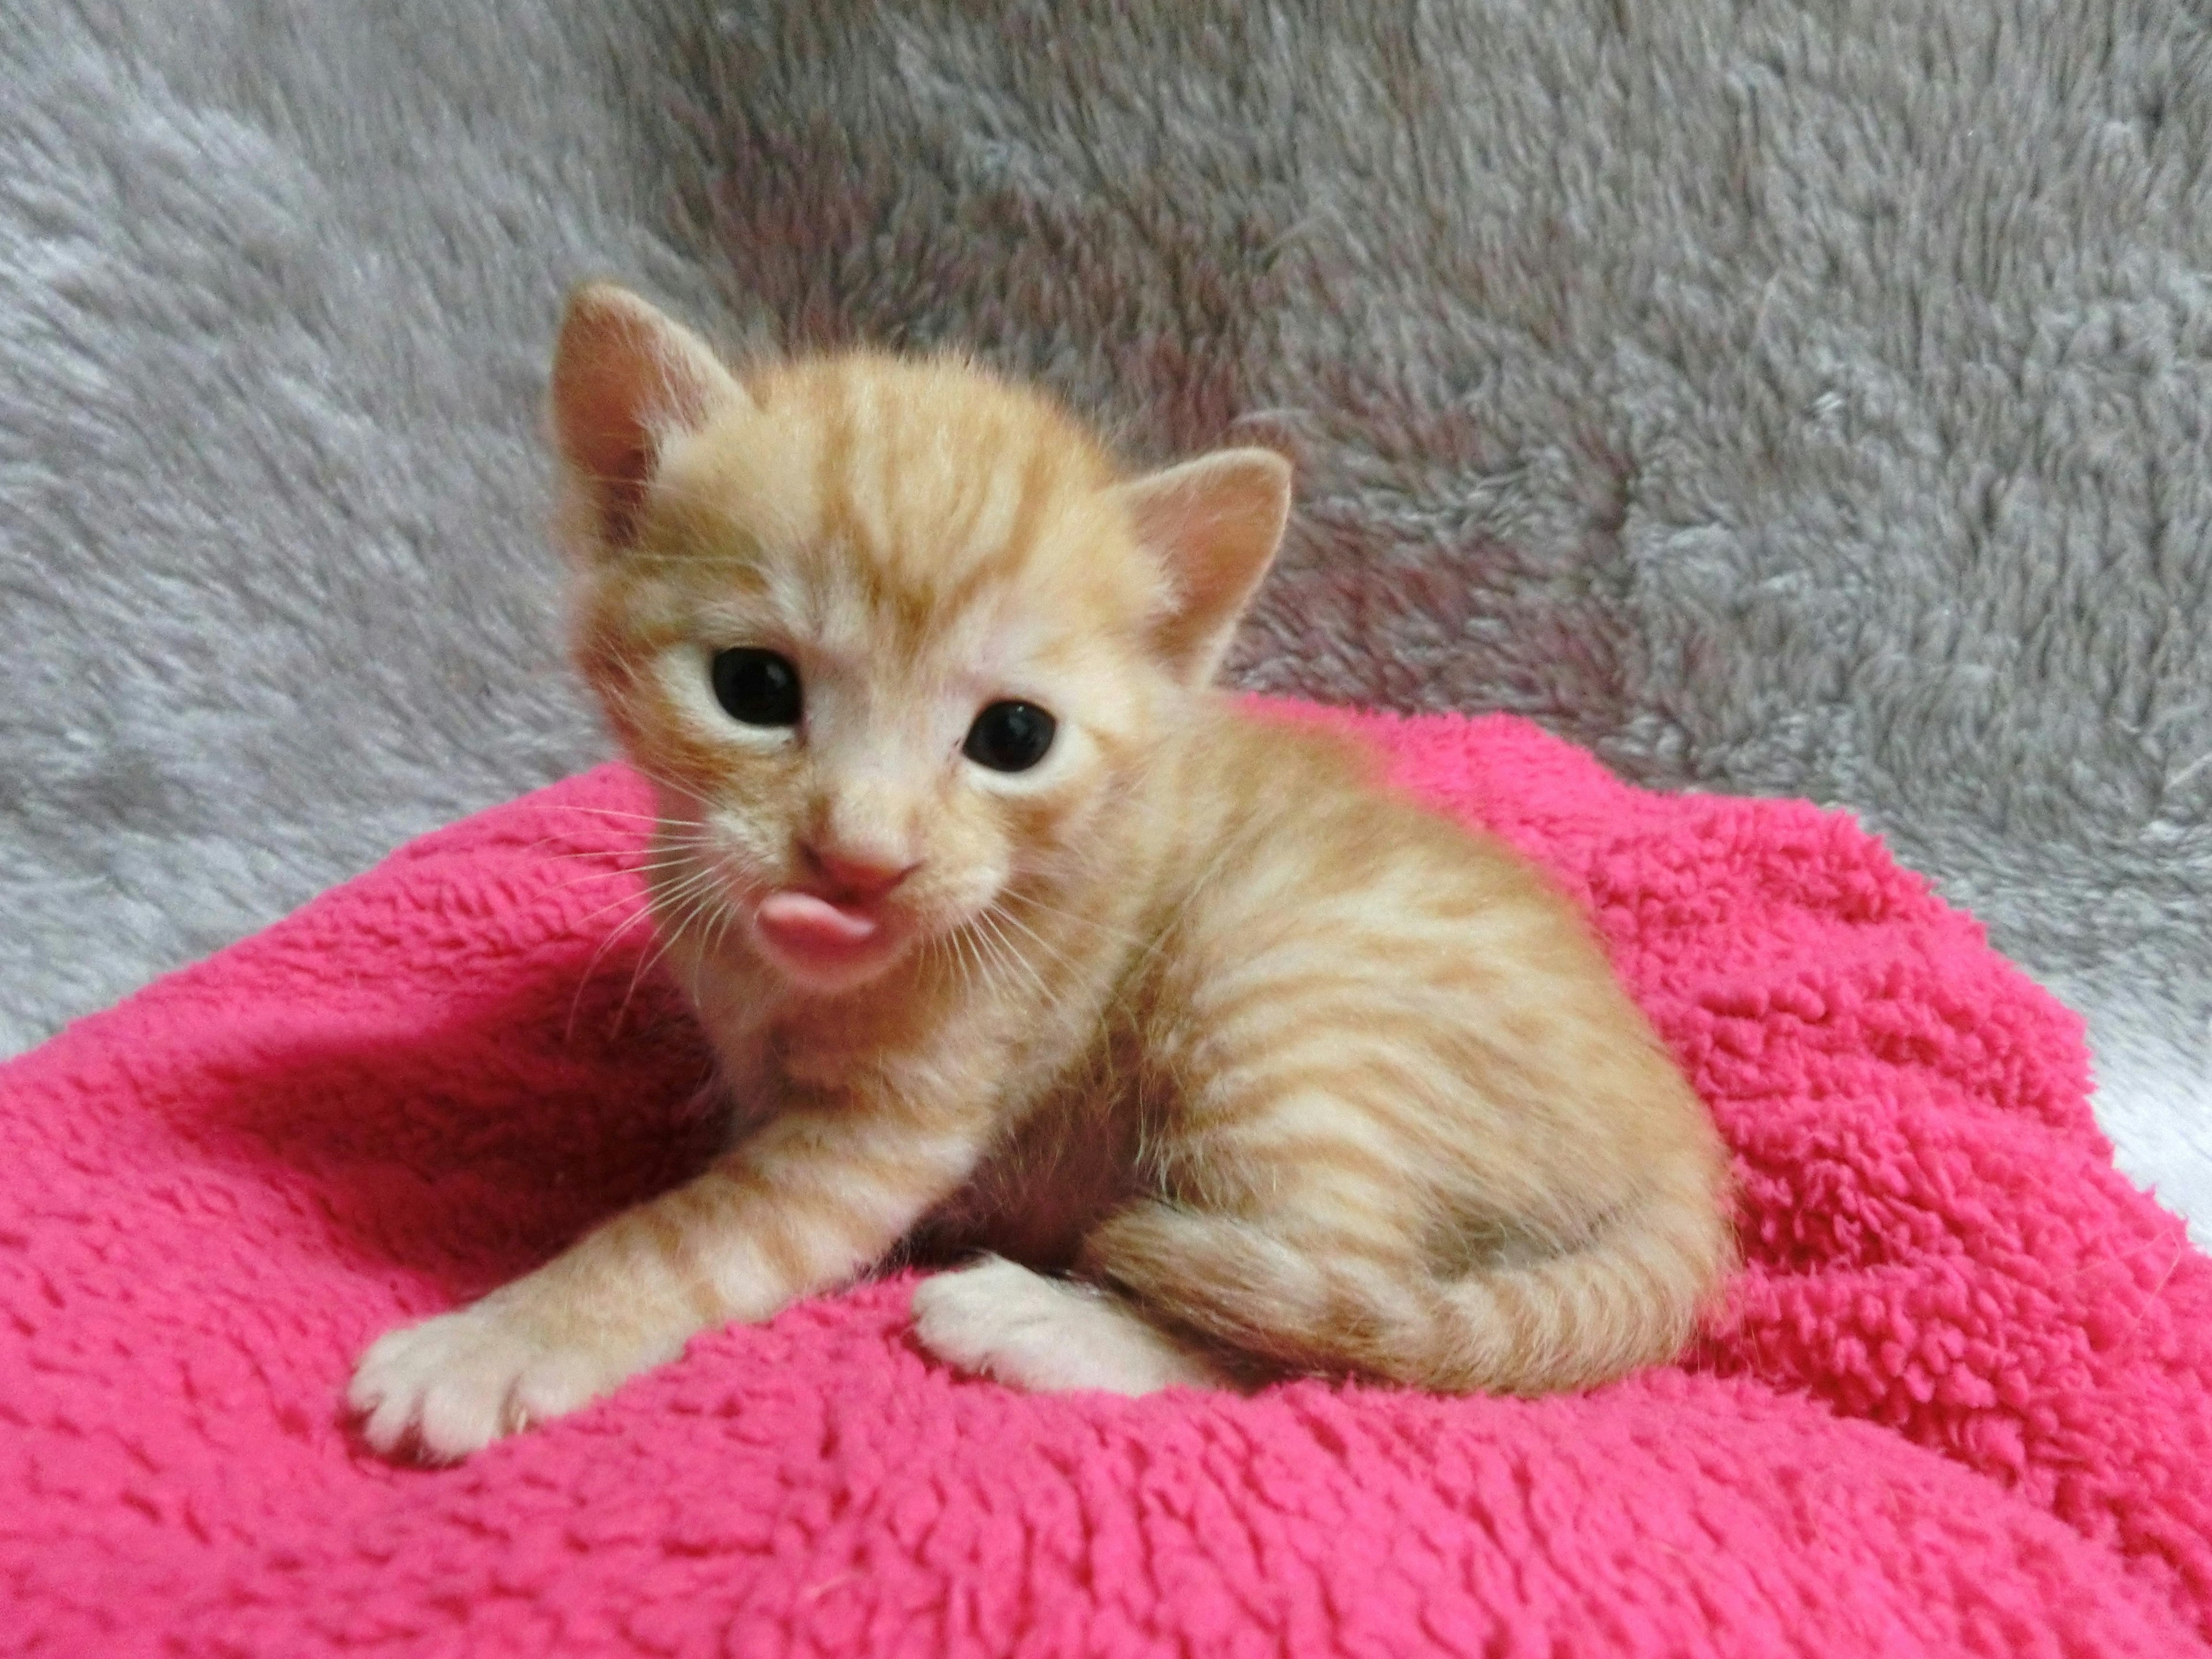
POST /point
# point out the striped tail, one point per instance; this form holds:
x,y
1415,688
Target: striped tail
x,y
1629,1298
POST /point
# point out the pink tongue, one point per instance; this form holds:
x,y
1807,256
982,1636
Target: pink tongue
x,y
802,920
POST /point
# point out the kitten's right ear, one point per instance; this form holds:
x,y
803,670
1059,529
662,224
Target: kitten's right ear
x,y
627,379
1215,523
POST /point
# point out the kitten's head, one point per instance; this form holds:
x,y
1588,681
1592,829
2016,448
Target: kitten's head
x,y
892,638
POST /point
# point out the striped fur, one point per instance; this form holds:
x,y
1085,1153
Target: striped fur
x,y
1276,1072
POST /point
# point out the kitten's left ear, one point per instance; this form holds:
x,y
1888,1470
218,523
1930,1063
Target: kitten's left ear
x,y
626,379
1216,522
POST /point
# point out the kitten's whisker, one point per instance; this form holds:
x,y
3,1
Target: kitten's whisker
x,y
992,919
955,960
994,973
609,813
569,1031
640,898
1104,935
700,904
589,875
644,892
644,965
630,856
617,871
686,901
617,849
675,894
1006,903
1107,935
987,966
730,917
1013,959
624,866
645,897
684,790
1060,956
641,861
607,853
569,836
962,941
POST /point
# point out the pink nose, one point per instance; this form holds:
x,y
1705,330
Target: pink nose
x,y
856,878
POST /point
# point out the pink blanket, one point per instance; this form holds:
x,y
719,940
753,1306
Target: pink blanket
x,y
1958,1404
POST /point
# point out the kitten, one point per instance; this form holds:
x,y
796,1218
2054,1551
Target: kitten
x,y
1016,936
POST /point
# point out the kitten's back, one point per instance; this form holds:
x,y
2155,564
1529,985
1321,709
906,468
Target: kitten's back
x,y
1410,1123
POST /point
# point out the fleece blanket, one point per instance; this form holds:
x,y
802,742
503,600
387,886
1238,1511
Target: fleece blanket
x,y
1956,1404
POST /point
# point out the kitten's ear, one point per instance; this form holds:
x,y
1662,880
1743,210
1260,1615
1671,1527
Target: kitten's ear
x,y
625,381
1216,521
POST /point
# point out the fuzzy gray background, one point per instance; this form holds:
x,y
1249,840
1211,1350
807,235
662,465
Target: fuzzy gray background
x,y
1807,398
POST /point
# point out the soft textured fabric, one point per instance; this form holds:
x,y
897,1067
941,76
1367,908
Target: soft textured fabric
x,y
1958,1403
1804,397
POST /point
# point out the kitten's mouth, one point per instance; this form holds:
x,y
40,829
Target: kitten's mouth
x,y
817,937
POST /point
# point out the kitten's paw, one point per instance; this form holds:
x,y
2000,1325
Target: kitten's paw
x,y
453,1385
1046,1335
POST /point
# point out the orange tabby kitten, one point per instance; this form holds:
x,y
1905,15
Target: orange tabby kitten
x,y
1012,935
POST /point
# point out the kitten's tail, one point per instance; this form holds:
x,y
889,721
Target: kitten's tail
x,y
1629,1298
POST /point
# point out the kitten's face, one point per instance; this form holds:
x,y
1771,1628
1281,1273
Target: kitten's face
x,y
891,638
884,651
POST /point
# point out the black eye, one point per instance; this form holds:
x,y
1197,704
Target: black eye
x,y
757,687
1009,737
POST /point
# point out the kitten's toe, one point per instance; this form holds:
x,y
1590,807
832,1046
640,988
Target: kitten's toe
x,y
451,1385
419,1384
1047,1334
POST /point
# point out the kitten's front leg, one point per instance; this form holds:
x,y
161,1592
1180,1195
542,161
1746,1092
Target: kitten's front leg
x,y
812,1199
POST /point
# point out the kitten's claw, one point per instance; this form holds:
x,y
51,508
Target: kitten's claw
x,y
453,1385
1047,1334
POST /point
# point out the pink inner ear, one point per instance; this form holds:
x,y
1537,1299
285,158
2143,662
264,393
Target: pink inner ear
x,y
620,495
623,376
1216,521
600,378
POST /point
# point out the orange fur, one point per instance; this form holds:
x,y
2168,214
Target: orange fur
x,y
1288,1074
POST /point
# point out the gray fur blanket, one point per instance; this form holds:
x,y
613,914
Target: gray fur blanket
x,y
1800,398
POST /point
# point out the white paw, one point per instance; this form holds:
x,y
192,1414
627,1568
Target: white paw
x,y
453,1385
1046,1335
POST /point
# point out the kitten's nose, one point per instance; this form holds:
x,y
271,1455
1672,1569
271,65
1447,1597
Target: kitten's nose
x,y
858,876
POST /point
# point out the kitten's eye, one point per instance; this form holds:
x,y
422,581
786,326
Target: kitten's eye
x,y
758,686
1010,736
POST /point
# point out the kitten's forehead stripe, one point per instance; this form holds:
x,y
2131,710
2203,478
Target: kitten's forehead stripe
x,y
998,566
833,480
994,506
940,490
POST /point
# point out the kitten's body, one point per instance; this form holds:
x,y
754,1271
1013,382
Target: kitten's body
x,y
1289,1073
